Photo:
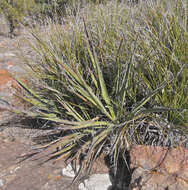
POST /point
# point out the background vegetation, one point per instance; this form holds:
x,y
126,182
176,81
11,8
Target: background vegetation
x,y
111,76
29,11
15,11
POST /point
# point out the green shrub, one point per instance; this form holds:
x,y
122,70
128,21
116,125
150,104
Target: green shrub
x,y
15,11
111,80
58,9
164,53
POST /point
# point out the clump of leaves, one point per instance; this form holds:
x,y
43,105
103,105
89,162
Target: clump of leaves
x,y
88,83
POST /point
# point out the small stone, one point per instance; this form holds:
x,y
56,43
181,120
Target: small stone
x,y
1,183
14,170
82,187
96,182
68,171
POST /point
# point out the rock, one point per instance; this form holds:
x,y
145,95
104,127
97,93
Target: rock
x,y
159,168
6,92
68,171
96,182
5,77
10,92
1,183
7,85
99,167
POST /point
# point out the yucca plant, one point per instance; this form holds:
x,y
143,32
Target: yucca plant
x,y
88,83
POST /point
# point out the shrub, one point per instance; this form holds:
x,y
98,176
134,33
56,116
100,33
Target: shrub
x,y
57,9
164,43
15,11
110,80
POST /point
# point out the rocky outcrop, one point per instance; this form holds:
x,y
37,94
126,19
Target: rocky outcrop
x,y
159,168
10,93
7,85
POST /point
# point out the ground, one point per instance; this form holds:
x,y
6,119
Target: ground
x,y
17,173
15,141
